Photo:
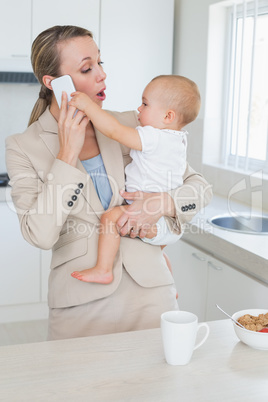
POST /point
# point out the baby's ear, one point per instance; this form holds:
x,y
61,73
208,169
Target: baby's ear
x,y
170,116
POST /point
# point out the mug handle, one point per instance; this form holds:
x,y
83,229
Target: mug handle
x,y
206,335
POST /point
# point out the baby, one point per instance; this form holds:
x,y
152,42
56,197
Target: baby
x,y
158,151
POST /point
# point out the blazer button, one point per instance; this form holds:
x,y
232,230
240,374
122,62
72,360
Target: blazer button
x,y
77,191
74,197
70,204
186,208
80,185
183,209
190,206
194,206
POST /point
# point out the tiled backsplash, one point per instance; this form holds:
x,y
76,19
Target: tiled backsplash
x,y
16,103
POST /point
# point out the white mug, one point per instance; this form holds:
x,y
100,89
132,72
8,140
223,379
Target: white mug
x,y
179,330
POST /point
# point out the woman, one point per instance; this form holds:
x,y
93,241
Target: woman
x,y
59,204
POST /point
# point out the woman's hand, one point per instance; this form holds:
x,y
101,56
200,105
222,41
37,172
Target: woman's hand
x,y
72,130
145,210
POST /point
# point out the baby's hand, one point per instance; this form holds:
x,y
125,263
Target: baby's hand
x,y
80,100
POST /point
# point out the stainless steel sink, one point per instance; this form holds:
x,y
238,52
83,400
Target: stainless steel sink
x,y
241,223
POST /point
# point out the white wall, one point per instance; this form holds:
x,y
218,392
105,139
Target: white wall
x,y
190,59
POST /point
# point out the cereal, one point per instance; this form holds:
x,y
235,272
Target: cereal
x,y
254,323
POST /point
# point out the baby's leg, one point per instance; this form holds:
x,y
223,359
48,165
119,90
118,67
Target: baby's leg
x,y
109,241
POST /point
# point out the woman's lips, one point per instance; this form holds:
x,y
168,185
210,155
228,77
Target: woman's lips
x,y
101,95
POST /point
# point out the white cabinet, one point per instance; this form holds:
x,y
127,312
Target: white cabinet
x,y
203,281
15,32
20,262
135,39
189,267
24,272
21,21
232,290
66,12
136,43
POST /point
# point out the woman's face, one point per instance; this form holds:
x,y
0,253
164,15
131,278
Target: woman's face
x,y
80,58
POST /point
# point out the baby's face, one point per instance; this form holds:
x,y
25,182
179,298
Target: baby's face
x,y
151,111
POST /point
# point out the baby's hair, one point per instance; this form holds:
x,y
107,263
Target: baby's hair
x,y
181,94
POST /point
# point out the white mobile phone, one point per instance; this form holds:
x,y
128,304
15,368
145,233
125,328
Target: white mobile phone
x,y
63,83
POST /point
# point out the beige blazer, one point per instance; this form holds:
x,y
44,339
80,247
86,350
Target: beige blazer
x,y
43,190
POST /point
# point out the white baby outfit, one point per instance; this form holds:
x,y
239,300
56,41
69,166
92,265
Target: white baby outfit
x,y
159,167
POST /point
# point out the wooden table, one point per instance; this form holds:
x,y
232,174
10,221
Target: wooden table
x,y
131,367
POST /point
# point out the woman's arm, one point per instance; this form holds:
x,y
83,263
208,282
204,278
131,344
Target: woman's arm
x,y
191,197
42,185
105,123
41,197
145,210
179,206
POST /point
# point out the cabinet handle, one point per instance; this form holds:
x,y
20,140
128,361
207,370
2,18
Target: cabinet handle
x,y
217,267
198,257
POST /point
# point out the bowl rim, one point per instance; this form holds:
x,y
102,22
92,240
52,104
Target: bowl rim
x,y
247,311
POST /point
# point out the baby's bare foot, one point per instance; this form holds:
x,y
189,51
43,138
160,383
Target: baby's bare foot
x,y
94,275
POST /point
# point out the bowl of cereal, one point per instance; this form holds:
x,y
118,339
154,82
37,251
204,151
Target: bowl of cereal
x,y
255,331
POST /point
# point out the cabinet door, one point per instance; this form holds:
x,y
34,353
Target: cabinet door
x,y
232,290
189,267
15,32
20,262
136,43
66,12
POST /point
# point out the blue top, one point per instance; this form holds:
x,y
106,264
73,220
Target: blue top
x,y
96,169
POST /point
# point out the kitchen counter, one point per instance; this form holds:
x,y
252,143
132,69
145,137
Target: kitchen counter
x,y
246,252
131,367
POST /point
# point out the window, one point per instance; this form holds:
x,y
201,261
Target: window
x,y
236,106
246,128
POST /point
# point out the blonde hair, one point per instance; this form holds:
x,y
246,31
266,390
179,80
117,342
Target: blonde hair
x,y
45,58
181,94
